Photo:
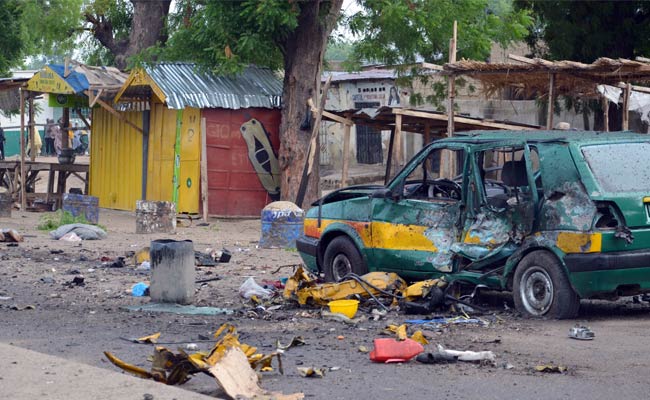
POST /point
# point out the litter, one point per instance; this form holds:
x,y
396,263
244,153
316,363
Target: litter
x,y
339,317
144,266
468,355
10,235
140,289
436,358
401,333
16,307
250,288
311,372
388,350
70,237
84,231
550,368
436,323
581,333
179,309
76,281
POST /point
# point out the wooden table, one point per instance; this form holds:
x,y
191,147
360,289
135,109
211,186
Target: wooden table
x,y
10,178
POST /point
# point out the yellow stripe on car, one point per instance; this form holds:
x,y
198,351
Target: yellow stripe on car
x,y
579,242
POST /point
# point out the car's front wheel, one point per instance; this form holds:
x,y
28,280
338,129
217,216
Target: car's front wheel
x,y
541,288
341,258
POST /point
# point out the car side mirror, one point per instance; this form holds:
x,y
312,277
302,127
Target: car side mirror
x,y
383,193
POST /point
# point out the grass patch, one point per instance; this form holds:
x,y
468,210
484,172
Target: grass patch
x,y
50,222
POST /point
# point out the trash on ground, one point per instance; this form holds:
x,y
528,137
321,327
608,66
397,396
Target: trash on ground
x,y
581,333
363,349
295,341
436,323
16,307
231,363
179,309
144,266
346,307
84,231
311,372
436,358
468,355
388,350
10,235
401,333
70,237
117,263
141,256
250,288
303,287
550,368
339,317
140,289
76,281
149,339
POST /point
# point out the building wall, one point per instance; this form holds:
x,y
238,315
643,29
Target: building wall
x,y
116,160
346,95
235,188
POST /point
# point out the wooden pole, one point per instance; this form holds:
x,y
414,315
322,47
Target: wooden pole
x,y
551,101
605,114
23,199
391,144
32,126
626,107
447,159
204,170
65,138
310,157
397,144
346,154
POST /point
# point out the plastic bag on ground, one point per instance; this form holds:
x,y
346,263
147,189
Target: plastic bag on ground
x,y
84,231
70,237
250,288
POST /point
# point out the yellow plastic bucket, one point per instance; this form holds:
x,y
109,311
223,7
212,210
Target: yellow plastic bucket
x,y
345,307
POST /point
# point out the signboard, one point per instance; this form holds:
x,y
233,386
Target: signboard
x,y
48,81
67,101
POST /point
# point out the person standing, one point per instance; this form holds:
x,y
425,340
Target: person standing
x,y
49,138
58,143
2,143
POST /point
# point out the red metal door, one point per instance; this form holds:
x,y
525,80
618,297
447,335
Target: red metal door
x,y
234,185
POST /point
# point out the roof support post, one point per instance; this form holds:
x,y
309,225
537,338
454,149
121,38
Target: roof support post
x,y
346,154
31,127
605,114
551,102
397,144
391,144
626,107
446,163
23,199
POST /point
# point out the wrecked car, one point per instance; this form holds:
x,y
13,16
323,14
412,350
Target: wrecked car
x,y
553,216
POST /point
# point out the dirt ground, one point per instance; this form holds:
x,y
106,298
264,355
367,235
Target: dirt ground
x,y
81,322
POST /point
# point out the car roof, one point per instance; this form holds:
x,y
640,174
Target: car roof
x,y
578,137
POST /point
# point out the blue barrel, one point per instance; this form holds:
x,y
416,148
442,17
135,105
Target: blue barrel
x,y
281,225
78,204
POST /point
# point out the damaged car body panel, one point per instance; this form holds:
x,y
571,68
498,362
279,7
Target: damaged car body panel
x,y
554,216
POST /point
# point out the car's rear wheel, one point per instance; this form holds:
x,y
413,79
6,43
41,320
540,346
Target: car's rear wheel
x,y
341,258
541,288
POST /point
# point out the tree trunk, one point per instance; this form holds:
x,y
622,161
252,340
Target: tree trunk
x,y
148,27
303,55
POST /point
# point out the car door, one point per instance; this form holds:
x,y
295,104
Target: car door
x,y
415,224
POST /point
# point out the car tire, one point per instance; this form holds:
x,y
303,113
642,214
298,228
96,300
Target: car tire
x,y
541,288
341,258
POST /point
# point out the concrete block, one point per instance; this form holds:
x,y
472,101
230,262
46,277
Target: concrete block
x,y
172,271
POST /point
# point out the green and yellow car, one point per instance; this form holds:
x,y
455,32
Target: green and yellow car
x,y
553,216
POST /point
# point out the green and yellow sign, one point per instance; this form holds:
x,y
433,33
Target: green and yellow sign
x,y
48,81
67,101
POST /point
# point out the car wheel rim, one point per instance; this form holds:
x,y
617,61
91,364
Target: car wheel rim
x,y
341,266
536,290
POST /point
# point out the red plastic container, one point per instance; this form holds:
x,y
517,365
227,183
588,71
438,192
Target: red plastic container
x,y
389,350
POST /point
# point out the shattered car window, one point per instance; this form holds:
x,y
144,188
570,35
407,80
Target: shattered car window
x,y
620,167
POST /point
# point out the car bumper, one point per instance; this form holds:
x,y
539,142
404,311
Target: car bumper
x,y
591,262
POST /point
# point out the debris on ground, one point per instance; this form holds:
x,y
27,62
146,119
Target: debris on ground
x,y
231,363
437,323
311,372
10,235
70,237
140,289
436,358
78,280
581,333
84,231
389,350
468,355
250,289
401,333
179,309
551,368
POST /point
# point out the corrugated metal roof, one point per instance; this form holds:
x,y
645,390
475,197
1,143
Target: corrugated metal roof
x,y
186,86
339,76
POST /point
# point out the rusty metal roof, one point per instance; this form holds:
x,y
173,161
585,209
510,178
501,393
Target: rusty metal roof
x,y
185,85
371,74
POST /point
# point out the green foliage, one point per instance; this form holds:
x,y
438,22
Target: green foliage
x,y
51,221
11,37
586,30
50,26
